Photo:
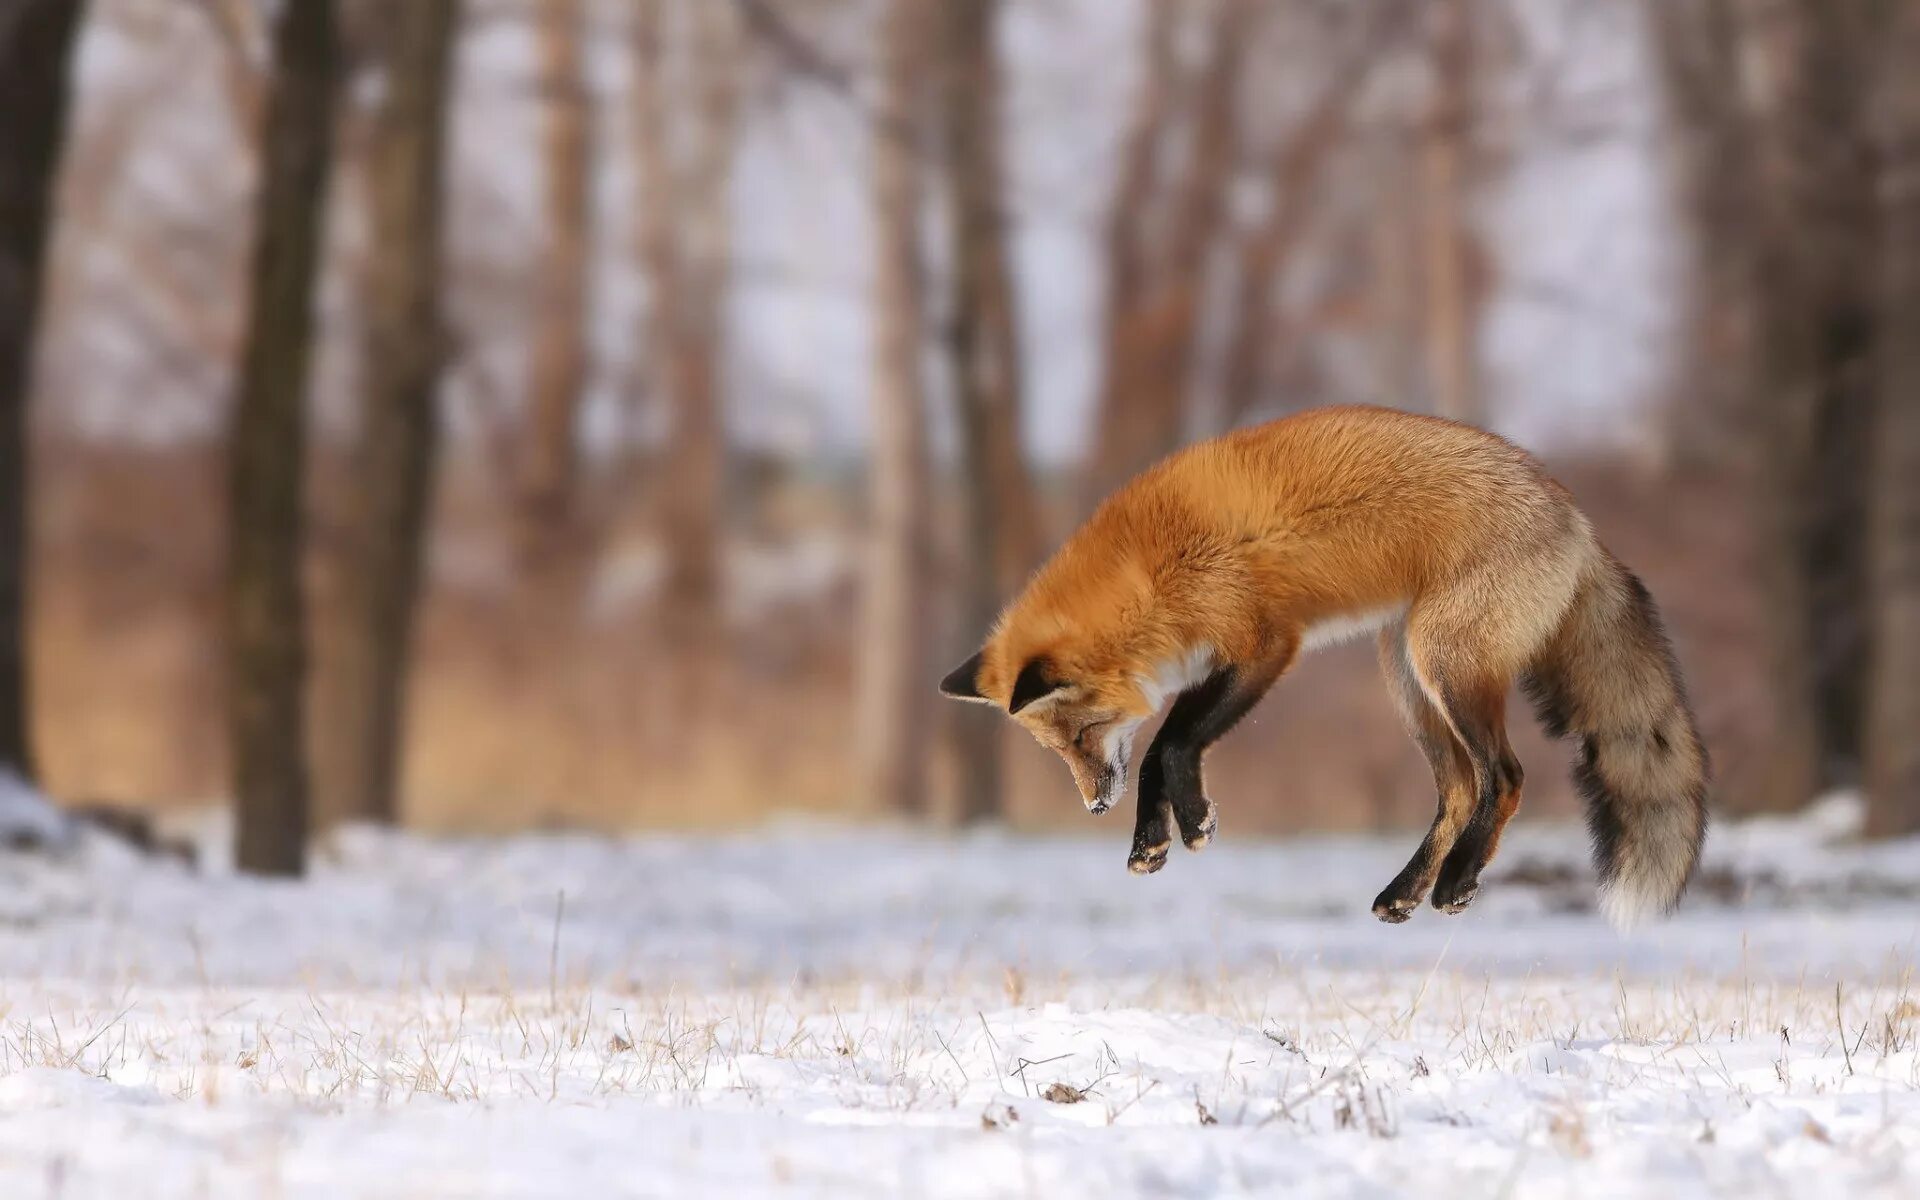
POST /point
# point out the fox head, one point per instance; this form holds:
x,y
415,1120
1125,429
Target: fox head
x,y
1086,715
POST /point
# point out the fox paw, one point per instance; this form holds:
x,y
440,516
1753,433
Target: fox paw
x,y
1145,860
1454,898
1198,824
1198,838
1394,912
1394,908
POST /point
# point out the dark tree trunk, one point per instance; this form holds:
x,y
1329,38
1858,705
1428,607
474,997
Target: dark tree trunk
x,y
558,369
364,715
1452,310
267,632
1155,283
36,54
1814,348
1699,48
895,668
984,357
1295,182
684,233
1893,734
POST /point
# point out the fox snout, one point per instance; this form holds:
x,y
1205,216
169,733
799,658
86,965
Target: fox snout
x,y
1102,776
1108,785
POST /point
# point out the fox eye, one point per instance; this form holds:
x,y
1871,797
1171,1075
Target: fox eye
x,y
1080,739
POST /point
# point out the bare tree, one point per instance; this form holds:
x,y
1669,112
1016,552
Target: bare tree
x,y
267,618
1893,736
1813,354
1452,292
1157,254
683,230
1002,525
559,352
1297,175
36,56
363,699
1699,48
893,702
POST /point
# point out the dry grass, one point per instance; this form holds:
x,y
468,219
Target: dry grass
x,y
1343,1048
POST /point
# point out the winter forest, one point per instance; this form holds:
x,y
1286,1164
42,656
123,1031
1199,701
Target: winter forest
x,y
521,468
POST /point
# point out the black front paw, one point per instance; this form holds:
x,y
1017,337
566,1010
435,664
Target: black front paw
x,y
1145,860
1196,817
1152,837
1199,829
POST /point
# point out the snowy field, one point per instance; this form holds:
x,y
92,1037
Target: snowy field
x,y
824,1012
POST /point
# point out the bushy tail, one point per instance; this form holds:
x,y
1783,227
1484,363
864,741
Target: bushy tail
x,y
1608,677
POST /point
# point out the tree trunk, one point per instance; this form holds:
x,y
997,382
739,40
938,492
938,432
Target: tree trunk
x,y
1698,48
1294,183
364,680
268,621
1151,329
893,673
984,358
1132,415
988,361
684,231
1452,295
559,350
1813,355
1893,732
36,55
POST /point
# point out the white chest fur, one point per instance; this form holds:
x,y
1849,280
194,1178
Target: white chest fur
x,y
1331,631
1176,675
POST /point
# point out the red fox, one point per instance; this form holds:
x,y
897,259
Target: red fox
x,y
1202,580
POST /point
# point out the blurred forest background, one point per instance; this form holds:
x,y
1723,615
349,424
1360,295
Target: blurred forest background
x,y
492,414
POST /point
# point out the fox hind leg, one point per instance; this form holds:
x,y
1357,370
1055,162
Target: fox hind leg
x,y
1467,644
1452,776
1499,799
1478,716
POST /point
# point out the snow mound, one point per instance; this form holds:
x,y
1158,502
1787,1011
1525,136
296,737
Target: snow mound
x,y
28,820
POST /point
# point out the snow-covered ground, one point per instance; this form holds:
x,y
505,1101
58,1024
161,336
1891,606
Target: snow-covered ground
x,y
830,1012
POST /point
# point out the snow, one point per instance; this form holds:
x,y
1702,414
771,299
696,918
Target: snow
x,y
27,819
812,1010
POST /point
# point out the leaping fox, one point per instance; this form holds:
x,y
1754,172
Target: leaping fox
x,y
1203,579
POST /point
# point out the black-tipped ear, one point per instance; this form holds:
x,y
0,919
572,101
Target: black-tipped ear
x,y
1035,682
963,682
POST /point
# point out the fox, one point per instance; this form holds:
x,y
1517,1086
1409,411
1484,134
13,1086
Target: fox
x,y
1198,584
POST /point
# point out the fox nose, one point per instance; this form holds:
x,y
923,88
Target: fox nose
x,y
1107,786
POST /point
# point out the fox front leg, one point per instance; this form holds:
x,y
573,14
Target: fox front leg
x,y
1170,774
1152,830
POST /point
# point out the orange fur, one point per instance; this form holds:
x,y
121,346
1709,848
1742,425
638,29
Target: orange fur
x,y
1247,541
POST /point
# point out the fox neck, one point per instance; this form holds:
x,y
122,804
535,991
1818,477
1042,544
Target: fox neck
x,y
1175,674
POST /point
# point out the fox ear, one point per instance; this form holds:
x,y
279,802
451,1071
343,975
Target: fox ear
x,y
963,682
1035,682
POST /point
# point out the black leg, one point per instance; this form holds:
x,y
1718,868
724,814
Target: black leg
x,y
1152,832
1199,717
1497,779
1398,899
1459,879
